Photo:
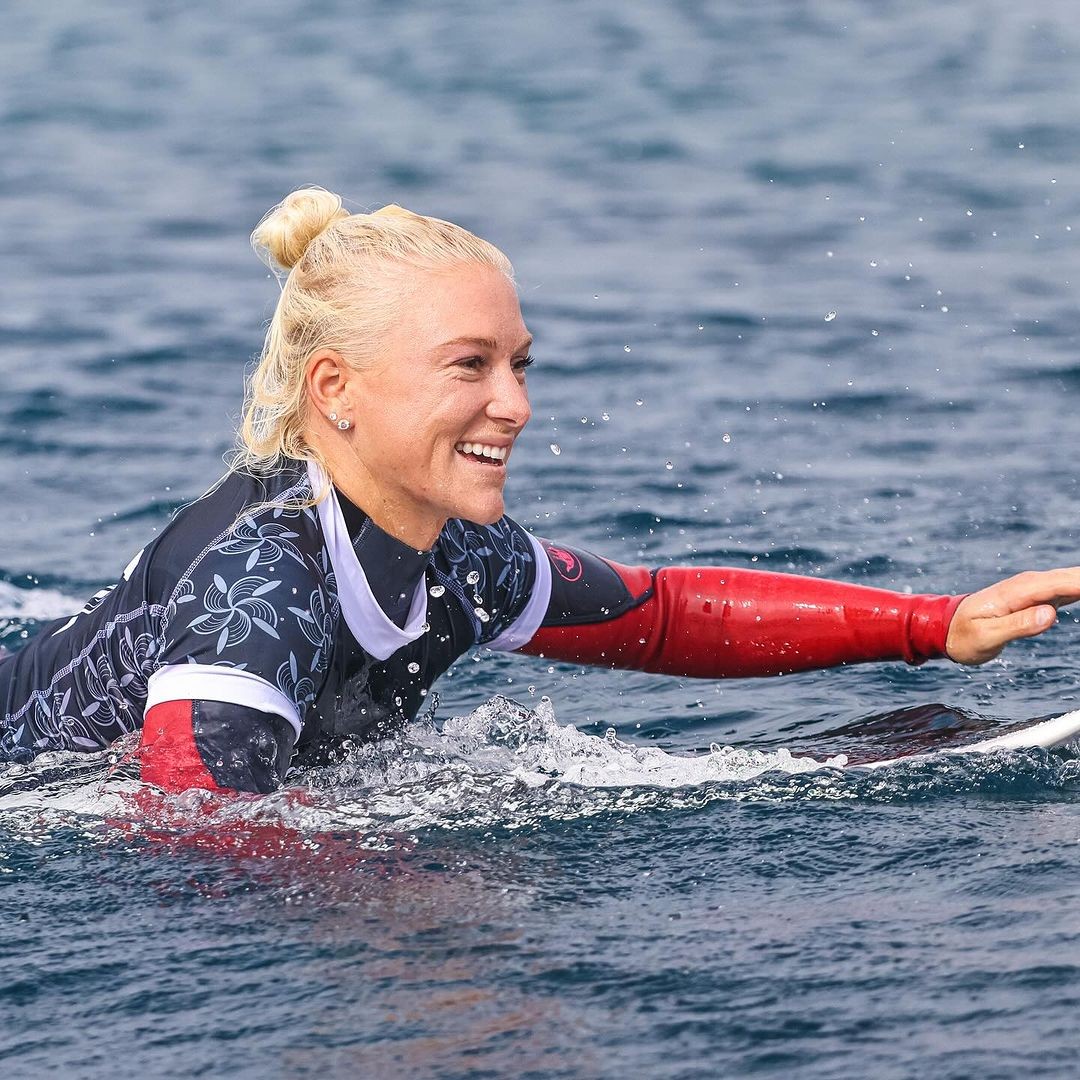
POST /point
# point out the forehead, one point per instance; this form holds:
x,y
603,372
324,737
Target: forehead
x,y
470,300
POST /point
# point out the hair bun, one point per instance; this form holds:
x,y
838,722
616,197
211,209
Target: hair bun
x,y
285,232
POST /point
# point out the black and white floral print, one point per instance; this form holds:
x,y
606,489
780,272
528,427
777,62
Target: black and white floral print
x,y
243,579
232,611
490,568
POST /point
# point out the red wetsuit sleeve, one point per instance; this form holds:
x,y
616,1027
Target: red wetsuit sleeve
x,y
168,756
715,622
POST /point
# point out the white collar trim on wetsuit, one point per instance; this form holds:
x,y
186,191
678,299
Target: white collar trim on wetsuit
x,y
375,633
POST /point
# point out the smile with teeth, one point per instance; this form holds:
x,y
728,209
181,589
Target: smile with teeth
x,y
485,455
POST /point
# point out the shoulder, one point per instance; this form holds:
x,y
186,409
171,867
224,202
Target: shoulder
x,y
465,547
490,568
250,541
258,518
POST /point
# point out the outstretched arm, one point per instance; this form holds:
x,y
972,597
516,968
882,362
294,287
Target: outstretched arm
x,y
720,621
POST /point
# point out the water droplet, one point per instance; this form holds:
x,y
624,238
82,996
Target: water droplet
x,y
668,465
830,316
945,307
639,401
969,212
584,419
726,437
701,326
874,333
532,689
626,348
873,262
555,448
437,590
481,614
414,667
425,627
604,416
472,577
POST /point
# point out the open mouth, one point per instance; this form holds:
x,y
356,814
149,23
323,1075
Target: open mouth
x,y
483,454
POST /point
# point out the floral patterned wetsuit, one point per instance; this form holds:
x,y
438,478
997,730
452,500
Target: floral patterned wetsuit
x,y
257,624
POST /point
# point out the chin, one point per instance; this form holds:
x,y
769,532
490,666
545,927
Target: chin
x,y
486,512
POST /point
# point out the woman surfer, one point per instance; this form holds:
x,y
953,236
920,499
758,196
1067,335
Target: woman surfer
x,y
358,545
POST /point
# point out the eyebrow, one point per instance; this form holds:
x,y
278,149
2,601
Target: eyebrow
x,y
482,343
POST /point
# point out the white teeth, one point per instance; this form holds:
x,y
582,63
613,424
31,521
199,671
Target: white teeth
x,y
496,453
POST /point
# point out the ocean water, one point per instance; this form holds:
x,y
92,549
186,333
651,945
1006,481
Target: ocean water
x,y
801,279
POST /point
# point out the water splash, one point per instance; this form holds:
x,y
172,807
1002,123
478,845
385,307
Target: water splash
x,y
23,610
503,766
39,604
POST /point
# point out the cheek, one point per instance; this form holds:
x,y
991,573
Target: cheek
x,y
450,422
391,429
416,432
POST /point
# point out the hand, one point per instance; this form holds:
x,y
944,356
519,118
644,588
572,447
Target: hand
x,y
1018,607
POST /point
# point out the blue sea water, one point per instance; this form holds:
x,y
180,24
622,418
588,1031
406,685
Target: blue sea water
x,y
801,279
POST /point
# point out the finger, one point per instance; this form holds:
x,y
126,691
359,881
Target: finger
x,y
1034,587
1020,624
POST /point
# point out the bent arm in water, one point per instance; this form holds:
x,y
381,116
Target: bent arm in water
x,y
215,745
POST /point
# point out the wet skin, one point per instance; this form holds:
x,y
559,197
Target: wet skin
x,y
450,373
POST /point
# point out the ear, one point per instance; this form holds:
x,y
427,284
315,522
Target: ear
x,y
328,379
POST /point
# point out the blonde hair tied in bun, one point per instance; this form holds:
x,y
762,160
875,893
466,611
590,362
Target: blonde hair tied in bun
x,y
341,289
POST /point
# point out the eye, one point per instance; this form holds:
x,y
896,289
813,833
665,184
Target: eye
x,y
523,363
473,363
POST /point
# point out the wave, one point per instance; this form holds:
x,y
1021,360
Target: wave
x,y
39,604
502,767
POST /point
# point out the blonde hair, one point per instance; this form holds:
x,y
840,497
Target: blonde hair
x,y
341,290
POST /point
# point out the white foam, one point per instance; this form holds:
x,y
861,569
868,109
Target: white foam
x,y
501,766
543,751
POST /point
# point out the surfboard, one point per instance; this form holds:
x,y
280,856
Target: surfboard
x,y
1059,731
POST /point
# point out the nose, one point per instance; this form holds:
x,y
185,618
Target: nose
x,y
509,402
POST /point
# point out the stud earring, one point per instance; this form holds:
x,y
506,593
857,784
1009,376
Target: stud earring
x,y
344,425
333,416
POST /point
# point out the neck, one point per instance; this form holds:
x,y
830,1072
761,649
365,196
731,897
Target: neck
x,y
355,482
393,520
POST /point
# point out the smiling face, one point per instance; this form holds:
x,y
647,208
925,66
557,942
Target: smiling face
x,y
435,415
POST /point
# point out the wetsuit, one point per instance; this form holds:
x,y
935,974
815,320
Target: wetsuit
x,y
256,626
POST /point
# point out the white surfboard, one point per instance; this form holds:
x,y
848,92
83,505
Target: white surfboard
x,y
1060,731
